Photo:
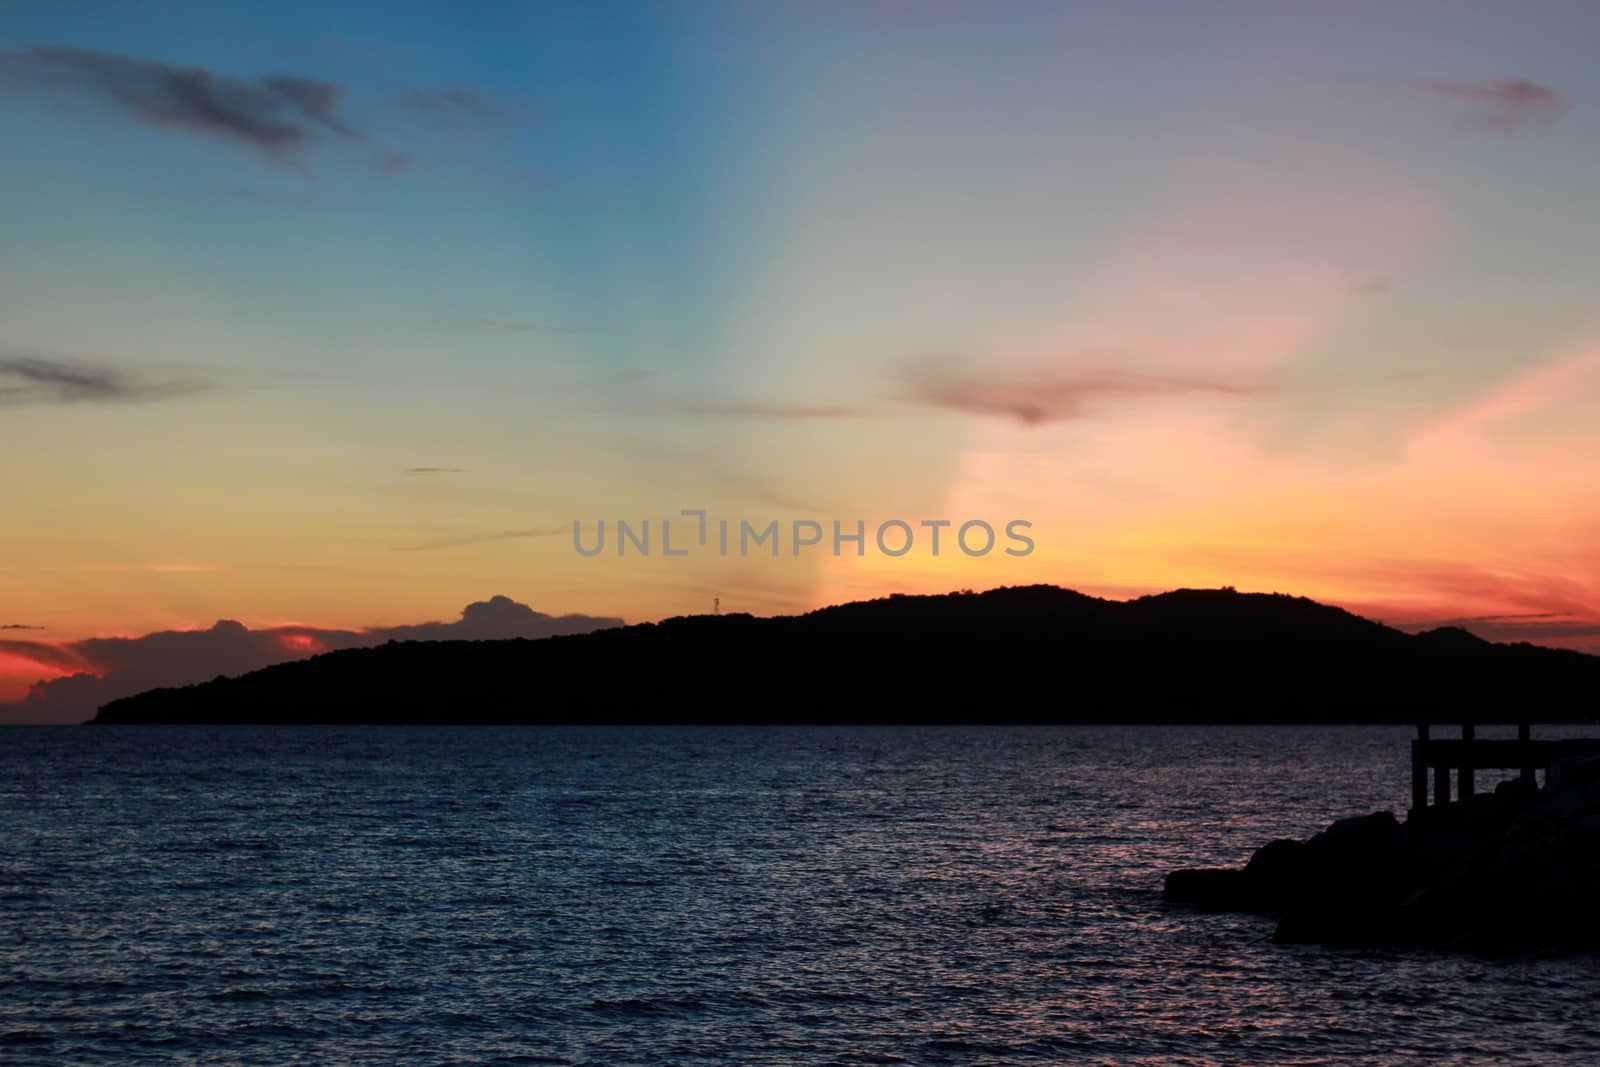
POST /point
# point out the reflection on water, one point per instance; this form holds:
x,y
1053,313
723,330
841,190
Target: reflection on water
x,y
706,896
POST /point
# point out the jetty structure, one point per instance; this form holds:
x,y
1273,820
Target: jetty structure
x,y
1467,754
1509,871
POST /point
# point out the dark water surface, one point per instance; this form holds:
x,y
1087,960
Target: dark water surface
x,y
706,896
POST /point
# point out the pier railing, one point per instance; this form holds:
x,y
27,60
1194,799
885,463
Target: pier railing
x,y
1467,754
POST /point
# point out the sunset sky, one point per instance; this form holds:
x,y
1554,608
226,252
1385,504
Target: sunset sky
x,y
340,315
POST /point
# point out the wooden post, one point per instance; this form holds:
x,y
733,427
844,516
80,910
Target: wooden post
x,y
1525,735
1419,768
1468,733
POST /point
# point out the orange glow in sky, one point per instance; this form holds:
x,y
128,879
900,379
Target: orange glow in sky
x,y
1261,316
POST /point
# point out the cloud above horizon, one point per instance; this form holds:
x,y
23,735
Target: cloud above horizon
x,y
1552,629
755,409
455,103
1037,397
479,539
1031,396
278,115
94,671
1501,107
32,380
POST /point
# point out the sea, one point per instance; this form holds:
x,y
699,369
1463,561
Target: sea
x,y
677,895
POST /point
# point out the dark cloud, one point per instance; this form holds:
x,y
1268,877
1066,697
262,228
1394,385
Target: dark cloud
x,y
496,619
19,626
109,668
52,658
480,539
1548,628
281,116
316,100
1544,609
277,115
62,382
1038,397
31,380
1498,107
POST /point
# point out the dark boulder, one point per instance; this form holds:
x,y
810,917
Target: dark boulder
x,y
1513,871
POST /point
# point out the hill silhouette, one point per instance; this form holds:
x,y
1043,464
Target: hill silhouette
x,y
98,670
1034,654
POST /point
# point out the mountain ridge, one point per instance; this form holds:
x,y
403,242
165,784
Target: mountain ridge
x,y
1025,654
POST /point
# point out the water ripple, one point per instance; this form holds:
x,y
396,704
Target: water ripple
x,y
706,896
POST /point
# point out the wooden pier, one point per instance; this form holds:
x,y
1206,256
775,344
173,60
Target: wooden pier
x,y
1467,754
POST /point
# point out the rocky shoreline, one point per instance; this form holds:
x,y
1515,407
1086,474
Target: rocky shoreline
x,y
1509,872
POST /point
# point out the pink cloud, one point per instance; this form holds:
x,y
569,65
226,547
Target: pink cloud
x,y
1537,389
1504,106
71,680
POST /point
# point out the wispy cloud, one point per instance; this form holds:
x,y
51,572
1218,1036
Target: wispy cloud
x,y
1498,106
281,116
50,657
1532,391
1044,396
460,110
34,380
436,470
450,101
677,405
278,115
754,409
1031,396
481,539
1551,609
19,626
1548,628
518,326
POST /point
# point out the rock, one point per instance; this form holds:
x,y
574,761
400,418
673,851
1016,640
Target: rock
x,y
1358,839
1515,871
1517,791
1347,882
1573,771
1276,871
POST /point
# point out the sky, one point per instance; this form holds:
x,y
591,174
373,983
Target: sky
x,y
337,317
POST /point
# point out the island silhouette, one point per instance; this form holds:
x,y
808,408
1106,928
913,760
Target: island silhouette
x,y
1027,654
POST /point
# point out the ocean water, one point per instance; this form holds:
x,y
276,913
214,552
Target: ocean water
x,y
707,896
